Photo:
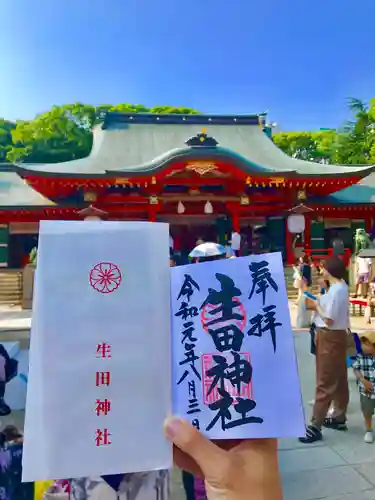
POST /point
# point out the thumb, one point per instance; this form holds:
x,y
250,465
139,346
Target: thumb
x,y
188,439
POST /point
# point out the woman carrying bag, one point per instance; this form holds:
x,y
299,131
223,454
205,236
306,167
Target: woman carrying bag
x,y
332,326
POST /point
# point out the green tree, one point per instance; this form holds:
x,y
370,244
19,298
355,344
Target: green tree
x,y
311,146
355,142
352,144
174,110
324,141
6,143
65,132
61,134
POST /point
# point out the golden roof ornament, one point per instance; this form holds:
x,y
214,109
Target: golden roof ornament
x,y
301,195
201,167
202,139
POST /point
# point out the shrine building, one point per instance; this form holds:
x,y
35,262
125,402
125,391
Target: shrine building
x,y
207,175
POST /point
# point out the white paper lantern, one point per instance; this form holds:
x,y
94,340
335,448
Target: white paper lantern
x,y
296,223
92,217
208,208
236,241
180,207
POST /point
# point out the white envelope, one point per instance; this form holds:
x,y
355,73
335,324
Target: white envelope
x,y
100,351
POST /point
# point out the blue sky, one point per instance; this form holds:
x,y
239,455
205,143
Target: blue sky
x,y
300,60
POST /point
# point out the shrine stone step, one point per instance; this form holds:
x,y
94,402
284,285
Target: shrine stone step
x,y
10,287
289,280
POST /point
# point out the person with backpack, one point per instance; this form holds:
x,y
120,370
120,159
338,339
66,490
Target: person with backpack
x,y
8,370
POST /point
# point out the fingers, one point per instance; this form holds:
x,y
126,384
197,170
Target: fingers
x,y
185,462
189,440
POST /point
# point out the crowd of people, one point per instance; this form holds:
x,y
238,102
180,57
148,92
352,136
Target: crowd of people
x,y
231,469
11,487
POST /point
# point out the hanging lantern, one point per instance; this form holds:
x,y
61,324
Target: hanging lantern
x,y
89,196
92,217
296,223
180,208
208,208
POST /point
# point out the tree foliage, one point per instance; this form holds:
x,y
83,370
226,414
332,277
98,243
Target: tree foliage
x,y
311,146
6,141
65,133
353,144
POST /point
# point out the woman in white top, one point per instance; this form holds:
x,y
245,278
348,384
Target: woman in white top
x,y
332,323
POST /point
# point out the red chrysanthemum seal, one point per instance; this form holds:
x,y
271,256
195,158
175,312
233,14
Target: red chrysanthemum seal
x,y
105,277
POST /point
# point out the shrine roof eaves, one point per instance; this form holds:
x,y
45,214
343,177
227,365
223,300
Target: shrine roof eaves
x,y
15,193
191,154
357,194
131,150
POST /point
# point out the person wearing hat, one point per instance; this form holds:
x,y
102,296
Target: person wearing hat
x,y
364,370
332,325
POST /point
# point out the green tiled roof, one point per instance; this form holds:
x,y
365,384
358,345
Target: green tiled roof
x,y
126,147
14,192
363,192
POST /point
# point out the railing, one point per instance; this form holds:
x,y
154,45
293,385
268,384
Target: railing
x,y
318,254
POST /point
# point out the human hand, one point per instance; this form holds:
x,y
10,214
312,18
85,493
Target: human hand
x,y
367,385
311,304
232,469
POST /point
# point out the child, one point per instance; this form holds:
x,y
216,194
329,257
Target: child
x,y
364,370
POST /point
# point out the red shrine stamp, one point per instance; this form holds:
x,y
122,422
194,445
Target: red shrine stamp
x,y
105,277
207,316
210,389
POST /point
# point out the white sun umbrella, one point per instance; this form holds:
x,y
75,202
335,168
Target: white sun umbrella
x,y
207,250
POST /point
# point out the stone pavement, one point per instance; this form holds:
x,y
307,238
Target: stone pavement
x,y
340,467
14,318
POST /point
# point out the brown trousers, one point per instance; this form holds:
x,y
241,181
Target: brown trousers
x,y
331,375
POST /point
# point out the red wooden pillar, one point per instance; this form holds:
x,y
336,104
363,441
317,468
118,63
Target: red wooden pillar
x,y
236,225
234,210
368,224
307,232
153,208
289,245
151,215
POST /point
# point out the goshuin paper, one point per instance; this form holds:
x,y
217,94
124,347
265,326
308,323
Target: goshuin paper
x,y
234,365
99,380
100,383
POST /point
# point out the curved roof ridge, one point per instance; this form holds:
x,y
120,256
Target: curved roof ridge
x,y
196,154
136,149
114,117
